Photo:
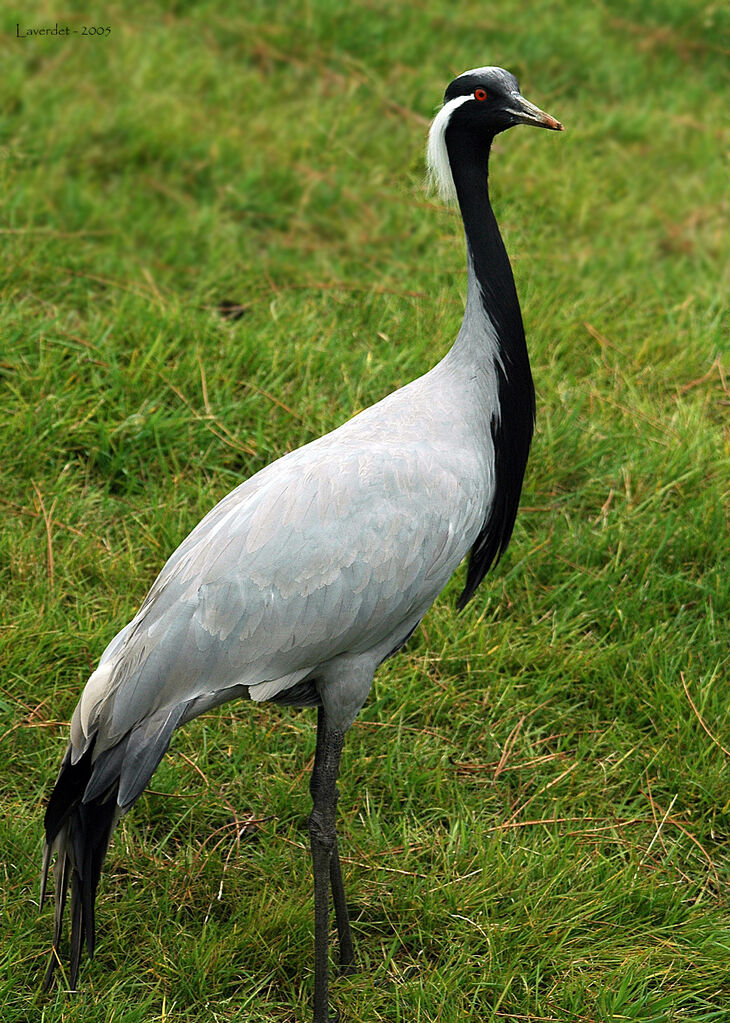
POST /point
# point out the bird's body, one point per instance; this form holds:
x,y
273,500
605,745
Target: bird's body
x,y
300,582
335,550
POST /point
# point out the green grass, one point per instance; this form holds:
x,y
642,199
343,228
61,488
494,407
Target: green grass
x,y
535,808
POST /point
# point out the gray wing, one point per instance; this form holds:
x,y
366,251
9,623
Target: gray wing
x,y
330,550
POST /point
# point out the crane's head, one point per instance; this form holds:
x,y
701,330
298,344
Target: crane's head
x,y
482,102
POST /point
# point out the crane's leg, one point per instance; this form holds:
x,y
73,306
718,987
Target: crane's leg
x,y
326,863
344,934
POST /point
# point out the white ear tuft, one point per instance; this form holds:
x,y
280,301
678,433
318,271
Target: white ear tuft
x,y
440,178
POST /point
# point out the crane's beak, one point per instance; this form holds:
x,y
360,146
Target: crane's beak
x,y
525,112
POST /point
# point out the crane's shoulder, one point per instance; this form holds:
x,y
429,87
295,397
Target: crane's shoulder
x,y
328,513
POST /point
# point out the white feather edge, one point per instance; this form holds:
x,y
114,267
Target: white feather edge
x,y
440,178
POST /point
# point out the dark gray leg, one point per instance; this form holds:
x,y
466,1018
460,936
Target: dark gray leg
x,y
344,934
326,863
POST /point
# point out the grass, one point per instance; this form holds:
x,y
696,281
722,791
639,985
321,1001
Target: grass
x,y
535,799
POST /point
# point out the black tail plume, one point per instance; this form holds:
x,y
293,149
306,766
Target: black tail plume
x,y
87,801
78,832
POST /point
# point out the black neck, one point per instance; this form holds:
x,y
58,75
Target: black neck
x,y
469,158
513,419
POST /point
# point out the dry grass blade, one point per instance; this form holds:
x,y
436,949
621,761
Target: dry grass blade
x,y
700,718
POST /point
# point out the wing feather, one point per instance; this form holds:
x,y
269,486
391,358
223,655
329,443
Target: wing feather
x,y
327,551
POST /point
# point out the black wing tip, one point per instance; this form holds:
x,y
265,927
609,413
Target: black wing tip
x,y
45,867
78,832
83,808
67,792
77,928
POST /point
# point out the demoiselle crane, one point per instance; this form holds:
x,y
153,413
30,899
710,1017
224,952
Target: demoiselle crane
x,y
305,578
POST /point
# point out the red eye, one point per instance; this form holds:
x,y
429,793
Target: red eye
x,y
480,94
